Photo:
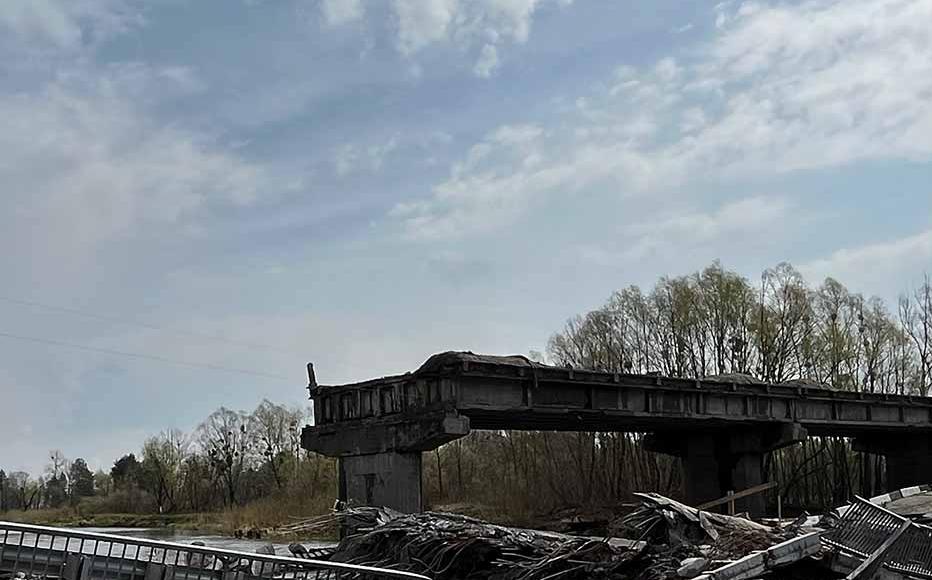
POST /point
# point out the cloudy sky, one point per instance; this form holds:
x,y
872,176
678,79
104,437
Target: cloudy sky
x,y
248,185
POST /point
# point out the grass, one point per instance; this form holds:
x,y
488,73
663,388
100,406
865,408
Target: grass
x,y
71,517
271,512
262,515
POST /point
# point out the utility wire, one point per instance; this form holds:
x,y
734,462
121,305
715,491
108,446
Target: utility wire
x,y
140,324
151,357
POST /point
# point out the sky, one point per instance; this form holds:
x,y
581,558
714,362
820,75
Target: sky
x,y
198,197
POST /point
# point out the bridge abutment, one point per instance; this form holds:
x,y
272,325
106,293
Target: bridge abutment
x,y
716,462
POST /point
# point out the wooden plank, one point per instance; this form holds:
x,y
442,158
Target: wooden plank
x,y
738,495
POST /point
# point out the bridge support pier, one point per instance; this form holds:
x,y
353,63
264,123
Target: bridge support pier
x,y
908,457
383,479
715,463
380,462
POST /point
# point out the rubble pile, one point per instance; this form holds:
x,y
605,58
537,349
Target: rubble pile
x,y
663,521
661,539
448,546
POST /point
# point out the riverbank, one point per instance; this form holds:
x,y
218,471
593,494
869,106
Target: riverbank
x,y
255,520
70,518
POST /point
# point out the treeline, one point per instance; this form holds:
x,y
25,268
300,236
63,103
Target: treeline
x,y
713,322
233,458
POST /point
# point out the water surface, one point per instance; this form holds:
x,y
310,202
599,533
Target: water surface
x,y
210,540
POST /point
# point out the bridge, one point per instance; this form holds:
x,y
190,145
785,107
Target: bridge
x,y
721,427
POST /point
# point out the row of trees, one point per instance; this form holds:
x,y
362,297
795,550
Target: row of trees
x,y
66,482
232,458
713,322
716,322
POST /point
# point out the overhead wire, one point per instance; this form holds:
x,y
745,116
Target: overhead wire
x,y
143,324
137,355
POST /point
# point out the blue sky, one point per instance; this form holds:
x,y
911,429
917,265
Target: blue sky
x,y
362,183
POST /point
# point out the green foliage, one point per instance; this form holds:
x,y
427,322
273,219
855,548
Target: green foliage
x,y
125,472
81,480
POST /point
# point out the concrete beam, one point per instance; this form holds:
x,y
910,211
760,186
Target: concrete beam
x,y
370,437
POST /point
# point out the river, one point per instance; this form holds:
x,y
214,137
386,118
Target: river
x,y
210,540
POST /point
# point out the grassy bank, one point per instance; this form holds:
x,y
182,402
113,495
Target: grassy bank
x,y
261,516
69,517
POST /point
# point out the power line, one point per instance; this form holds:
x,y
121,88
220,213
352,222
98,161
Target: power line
x,y
140,324
151,357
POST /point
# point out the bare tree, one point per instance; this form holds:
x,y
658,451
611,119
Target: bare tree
x,y
274,428
162,458
225,439
916,319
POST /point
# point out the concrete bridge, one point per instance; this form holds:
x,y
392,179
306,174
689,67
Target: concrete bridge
x,y
721,428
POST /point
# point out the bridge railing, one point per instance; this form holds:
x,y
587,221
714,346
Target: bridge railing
x,y
29,552
864,529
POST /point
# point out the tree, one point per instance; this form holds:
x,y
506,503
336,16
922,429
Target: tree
x,y
103,483
81,481
163,456
272,427
224,437
56,486
26,491
125,472
3,491
916,319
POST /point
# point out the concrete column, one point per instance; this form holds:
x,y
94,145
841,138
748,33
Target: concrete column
x,y
701,470
389,479
908,457
719,461
747,470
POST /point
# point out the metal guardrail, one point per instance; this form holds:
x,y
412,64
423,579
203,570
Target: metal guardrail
x,y
865,527
37,552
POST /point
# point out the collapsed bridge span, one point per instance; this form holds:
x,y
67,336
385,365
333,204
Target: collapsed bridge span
x,y
721,427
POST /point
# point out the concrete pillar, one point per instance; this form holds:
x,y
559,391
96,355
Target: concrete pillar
x,y
718,461
380,461
908,457
747,470
389,479
701,471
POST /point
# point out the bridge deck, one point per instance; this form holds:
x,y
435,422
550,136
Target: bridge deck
x,y
514,393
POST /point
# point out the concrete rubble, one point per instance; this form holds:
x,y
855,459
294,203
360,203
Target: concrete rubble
x,y
661,539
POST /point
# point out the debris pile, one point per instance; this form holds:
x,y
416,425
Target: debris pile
x,y
661,539
663,521
449,546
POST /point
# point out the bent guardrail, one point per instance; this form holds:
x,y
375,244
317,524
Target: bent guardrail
x,y
864,530
40,552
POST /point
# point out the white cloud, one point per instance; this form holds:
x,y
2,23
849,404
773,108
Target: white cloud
x,y
350,158
488,61
874,267
464,24
339,12
84,163
62,26
777,89
750,215
422,22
